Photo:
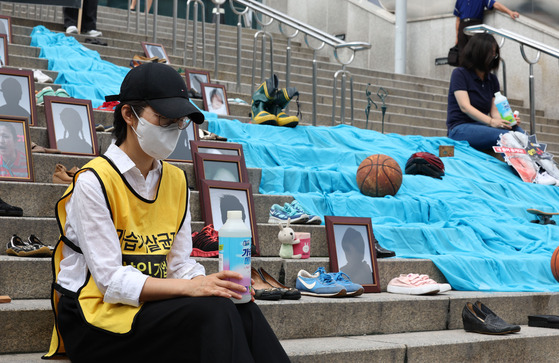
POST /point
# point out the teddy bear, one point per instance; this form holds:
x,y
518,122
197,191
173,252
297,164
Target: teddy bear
x,y
287,238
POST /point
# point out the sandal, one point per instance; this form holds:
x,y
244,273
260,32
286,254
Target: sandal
x,y
288,293
263,290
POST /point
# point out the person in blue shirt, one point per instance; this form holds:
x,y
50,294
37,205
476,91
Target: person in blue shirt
x,y
470,12
471,112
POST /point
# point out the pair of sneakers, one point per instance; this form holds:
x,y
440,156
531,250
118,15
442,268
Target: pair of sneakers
x,y
416,284
48,91
32,247
323,284
295,212
72,29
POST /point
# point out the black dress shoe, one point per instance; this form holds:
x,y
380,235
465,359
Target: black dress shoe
x,y
544,321
484,309
478,322
10,210
383,252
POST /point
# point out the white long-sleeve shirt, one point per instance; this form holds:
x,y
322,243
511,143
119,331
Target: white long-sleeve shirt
x,y
90,227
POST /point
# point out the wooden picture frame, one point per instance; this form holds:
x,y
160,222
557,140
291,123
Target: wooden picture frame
x,y
195,78
229,168
19,85
155,50
218,197
217,147
215,98
16,160
351,248
70,125
4,61
183,150
6,27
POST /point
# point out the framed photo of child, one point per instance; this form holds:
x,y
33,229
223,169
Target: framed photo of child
x,y
215,98
16,162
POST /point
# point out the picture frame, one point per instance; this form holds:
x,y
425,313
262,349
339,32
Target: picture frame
x,y
230,168
217,147
194,78
71,126
183,150
218,197
215,98
16,160
155,50
6,26
4,61
19,86
345,236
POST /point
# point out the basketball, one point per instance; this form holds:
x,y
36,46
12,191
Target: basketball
x,y
554,265
379,175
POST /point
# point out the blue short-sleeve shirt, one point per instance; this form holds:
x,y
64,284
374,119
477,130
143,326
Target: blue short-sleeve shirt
x,y
472,8
481,93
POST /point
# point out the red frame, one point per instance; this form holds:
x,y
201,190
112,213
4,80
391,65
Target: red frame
x,y
27,143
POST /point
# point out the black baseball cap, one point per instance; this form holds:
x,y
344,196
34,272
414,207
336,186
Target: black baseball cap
x,y
162,87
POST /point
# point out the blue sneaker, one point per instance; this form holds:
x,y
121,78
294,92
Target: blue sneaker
x,y
279,214
313,219
320,285
340,278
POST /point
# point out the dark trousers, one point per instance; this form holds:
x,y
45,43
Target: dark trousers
x,y
189,329
463,38
89,16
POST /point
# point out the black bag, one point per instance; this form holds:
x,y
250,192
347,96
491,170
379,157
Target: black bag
x,y
453,56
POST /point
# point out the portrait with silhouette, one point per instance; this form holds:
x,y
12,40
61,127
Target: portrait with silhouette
x,y
224,200
354,253
215,99
15,93
73,136
13,159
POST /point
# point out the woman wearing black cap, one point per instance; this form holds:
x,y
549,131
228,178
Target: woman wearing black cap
x,y
125,286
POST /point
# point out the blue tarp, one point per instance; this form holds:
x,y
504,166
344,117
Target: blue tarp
x,y
472,224
81,71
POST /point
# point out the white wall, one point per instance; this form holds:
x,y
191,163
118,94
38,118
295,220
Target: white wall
x,y
429,38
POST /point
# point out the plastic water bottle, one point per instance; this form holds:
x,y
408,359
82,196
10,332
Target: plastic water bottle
x,y
235,240
504,108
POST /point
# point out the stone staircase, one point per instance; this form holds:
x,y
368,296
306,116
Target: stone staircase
x,y
373,327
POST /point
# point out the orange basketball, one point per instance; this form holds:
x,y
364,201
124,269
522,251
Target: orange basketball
x,y
379,175
554,264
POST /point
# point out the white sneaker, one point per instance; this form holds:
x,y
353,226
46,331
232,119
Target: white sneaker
x,y
544,178
93,33
72,30
41,77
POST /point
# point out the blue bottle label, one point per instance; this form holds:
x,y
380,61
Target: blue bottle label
x,y
234,255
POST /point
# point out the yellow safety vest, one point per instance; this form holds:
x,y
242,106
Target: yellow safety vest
x,y
146,230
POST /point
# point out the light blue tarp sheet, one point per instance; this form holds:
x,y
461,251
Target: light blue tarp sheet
x,y
81,71
472,224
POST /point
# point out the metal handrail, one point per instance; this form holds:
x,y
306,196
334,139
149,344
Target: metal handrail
x,y
524,42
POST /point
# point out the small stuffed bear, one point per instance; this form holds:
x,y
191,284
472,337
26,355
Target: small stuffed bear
x,y
287,239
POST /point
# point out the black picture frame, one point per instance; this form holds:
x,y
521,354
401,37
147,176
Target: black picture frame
x,y
183,150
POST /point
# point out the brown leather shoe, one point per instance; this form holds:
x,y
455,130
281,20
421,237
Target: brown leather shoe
x,y
39,149
62,175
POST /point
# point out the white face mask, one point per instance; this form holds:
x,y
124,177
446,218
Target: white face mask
x,y
156,141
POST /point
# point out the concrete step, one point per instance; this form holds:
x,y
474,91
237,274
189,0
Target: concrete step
x,y
381,317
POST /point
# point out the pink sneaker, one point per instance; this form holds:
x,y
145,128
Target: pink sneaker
x,y
413,284
442,287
